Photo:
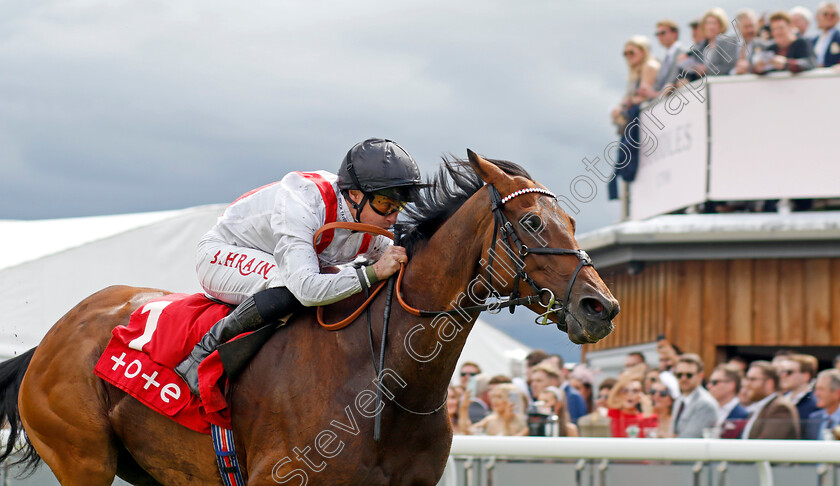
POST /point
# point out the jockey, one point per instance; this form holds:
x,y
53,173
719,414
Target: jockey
x,y
260,255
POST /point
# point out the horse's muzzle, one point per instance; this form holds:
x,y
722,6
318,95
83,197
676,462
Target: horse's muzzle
x,y
590,319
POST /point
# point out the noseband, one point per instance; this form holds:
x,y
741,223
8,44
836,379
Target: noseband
x,y
517,255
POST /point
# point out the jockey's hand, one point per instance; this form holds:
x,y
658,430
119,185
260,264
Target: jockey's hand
x,y
390,261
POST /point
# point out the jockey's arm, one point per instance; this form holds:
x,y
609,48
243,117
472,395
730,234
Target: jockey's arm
x,y
294,223
297,262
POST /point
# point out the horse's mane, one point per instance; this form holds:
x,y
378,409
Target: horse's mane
x,y
447,190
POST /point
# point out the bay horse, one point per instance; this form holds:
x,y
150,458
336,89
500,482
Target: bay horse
x,y
305,409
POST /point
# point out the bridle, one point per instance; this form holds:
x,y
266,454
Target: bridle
x,y
508,234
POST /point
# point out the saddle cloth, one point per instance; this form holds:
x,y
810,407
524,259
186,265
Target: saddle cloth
x,y
140,358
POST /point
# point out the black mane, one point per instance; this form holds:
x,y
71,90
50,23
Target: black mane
x,y
448,190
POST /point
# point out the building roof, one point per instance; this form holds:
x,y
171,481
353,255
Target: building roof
x,y
716,236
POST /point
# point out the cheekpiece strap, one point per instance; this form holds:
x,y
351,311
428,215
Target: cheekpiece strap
x,y
526,191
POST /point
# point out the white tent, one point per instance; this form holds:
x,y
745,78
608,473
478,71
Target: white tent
x,y
48,266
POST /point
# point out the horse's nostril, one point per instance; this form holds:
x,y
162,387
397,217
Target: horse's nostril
x,y
593,307
601,309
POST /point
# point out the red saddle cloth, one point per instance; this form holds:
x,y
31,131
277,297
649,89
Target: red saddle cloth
x,y
140,358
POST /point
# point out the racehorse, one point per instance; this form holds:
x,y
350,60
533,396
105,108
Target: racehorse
x,y
309,407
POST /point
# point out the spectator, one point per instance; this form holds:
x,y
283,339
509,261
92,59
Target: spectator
x,y
581,380
506,419
498,380
476,397
780,357
739,363
827,42
697,33
764,35
597,423
468,370
554,400
795,376
823,423
642,71
720,51
668,354
690,63
625,402
787,52
724,385
668,35
557,362
800,19
651,378
745,395
747,22
695,409
633,359
534,358
771,416
543,376
663,403
453,404
543,373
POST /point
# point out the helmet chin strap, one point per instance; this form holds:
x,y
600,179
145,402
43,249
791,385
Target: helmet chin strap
x,y
358,207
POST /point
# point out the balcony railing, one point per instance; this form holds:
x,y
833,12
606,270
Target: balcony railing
x,y
739,138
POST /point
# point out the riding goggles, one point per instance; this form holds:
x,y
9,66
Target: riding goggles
x,y
384,205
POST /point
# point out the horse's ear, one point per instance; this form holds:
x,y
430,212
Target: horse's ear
x,y
488,171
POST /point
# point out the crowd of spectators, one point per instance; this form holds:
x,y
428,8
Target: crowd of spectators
x,y
786,398
749,44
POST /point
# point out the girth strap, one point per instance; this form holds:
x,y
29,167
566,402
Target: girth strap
x,y
226,456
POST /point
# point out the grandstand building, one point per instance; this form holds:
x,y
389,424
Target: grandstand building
x,y
730,243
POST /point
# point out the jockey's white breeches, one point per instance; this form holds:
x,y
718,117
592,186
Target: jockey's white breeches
x,y
233,273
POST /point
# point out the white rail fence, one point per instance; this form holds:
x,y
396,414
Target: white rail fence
x,y
477,460
513,461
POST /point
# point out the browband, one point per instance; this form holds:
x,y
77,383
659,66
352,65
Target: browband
x,y
526,191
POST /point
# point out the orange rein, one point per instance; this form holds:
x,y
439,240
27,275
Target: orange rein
x,y
367,228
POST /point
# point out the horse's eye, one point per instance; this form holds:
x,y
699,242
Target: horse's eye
x,y
532,222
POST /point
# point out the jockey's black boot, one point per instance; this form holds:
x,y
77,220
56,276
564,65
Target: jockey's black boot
x,y
244,318
265,306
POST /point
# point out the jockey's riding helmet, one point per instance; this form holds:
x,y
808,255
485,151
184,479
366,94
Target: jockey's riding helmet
x,y
380,166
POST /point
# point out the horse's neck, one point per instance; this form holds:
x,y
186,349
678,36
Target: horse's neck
x,y
439,278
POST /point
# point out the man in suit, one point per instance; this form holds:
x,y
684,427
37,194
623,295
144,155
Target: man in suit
x,y
827,42
668,34
771,415
824,421
695,409
795,376
724,385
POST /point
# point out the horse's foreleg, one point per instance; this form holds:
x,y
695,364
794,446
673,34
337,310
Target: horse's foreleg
x,y
174,455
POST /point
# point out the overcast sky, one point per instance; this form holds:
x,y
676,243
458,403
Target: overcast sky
x,y
126,106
